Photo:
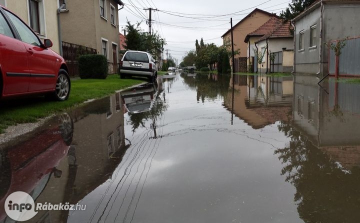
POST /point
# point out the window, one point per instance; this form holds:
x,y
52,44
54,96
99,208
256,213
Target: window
x,y
138,57
4,27
34,15
104,44
301,40
102,8
313,36
25,33
112,15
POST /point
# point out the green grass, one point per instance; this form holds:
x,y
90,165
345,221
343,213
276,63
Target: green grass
x,y
162,73
27,110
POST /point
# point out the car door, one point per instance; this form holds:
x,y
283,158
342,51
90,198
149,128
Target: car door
x,y
41,60
13,61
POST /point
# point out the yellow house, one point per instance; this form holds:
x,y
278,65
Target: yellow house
x,y
40,15
250,23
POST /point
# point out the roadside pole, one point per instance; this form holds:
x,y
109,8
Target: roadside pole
x,y
233,72
150,17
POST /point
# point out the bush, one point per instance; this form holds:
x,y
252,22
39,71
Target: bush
x,y
93,66
204,69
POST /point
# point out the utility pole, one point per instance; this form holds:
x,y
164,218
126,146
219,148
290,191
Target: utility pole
x,y
150,19
233,71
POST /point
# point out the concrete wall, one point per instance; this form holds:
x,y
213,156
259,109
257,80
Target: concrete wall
x,y
308,59
249,25
49,13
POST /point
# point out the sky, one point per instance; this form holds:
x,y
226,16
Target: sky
x,y
181,22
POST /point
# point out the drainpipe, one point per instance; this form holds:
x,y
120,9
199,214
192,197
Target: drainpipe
x,y
294,64
249,57
267,56
257,59
60,10
321,41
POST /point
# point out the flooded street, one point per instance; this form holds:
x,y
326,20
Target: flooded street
x,y
193,149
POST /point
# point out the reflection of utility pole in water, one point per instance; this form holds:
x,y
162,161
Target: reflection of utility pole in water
x,y
233,71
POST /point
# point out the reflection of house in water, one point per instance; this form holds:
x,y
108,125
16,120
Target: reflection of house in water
x,y
261,100
330,117
97,148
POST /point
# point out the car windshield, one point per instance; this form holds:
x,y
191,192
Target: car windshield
x,y
138,57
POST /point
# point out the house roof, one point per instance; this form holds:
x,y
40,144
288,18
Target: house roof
x,y
282,30
246,17
266,28
317,3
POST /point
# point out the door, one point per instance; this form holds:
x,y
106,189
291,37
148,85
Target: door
x,y
14,66
115,59
41,61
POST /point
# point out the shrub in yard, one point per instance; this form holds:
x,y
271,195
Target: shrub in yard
x,y
93,66
204,69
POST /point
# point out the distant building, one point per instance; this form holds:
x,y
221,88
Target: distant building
x,y
322,22
250,23
274,48
122,42
43,20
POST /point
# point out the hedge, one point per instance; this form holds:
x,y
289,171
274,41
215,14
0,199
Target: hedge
x,y
204,69
93,66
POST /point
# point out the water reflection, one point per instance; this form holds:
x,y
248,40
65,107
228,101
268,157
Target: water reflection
x,y
322,159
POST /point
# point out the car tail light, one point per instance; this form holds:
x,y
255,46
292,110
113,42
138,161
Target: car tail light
x,y
120,64
150,66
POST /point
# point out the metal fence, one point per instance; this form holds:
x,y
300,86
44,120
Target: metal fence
x,y
276,65
71,54
348,60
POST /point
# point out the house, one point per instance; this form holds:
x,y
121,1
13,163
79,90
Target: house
x,y
41,16
274,50
122,42
93,24
250,23
325,21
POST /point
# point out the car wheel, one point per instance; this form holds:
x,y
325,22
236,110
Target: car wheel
x,y
63,86
122,76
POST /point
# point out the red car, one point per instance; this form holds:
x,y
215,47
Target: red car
x,y
27,65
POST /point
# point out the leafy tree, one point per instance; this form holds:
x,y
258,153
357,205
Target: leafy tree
x,y
295,8
189,59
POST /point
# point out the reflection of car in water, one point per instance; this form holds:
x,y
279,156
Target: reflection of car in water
x,y
29,165
139,99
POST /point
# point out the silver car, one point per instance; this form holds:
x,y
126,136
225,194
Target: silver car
x,y
138,63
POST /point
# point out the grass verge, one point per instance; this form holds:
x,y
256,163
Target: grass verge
x,y
27,110
162,72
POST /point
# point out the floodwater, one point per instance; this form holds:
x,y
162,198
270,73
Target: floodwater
x,y
193,148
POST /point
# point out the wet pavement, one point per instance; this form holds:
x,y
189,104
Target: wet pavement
x,y
193,149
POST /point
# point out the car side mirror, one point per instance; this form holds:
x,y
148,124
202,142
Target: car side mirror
x,y
48,43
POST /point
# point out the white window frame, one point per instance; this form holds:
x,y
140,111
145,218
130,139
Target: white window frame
x,y
105,11
301,40
4,3
42,16
107,48
312,29
113,7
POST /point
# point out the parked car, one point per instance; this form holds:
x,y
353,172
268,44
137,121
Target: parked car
x,y
138,63
172,69
27,65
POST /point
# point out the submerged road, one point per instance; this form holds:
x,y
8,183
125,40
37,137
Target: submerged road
x,y
193,149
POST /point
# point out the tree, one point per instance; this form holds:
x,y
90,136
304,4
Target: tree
x,y
295,8
189,59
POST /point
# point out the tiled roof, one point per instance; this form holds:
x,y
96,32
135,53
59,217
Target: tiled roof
x,y
255,10
283,30
266,28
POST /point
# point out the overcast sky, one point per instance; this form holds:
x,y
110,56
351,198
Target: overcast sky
x,y
179,32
